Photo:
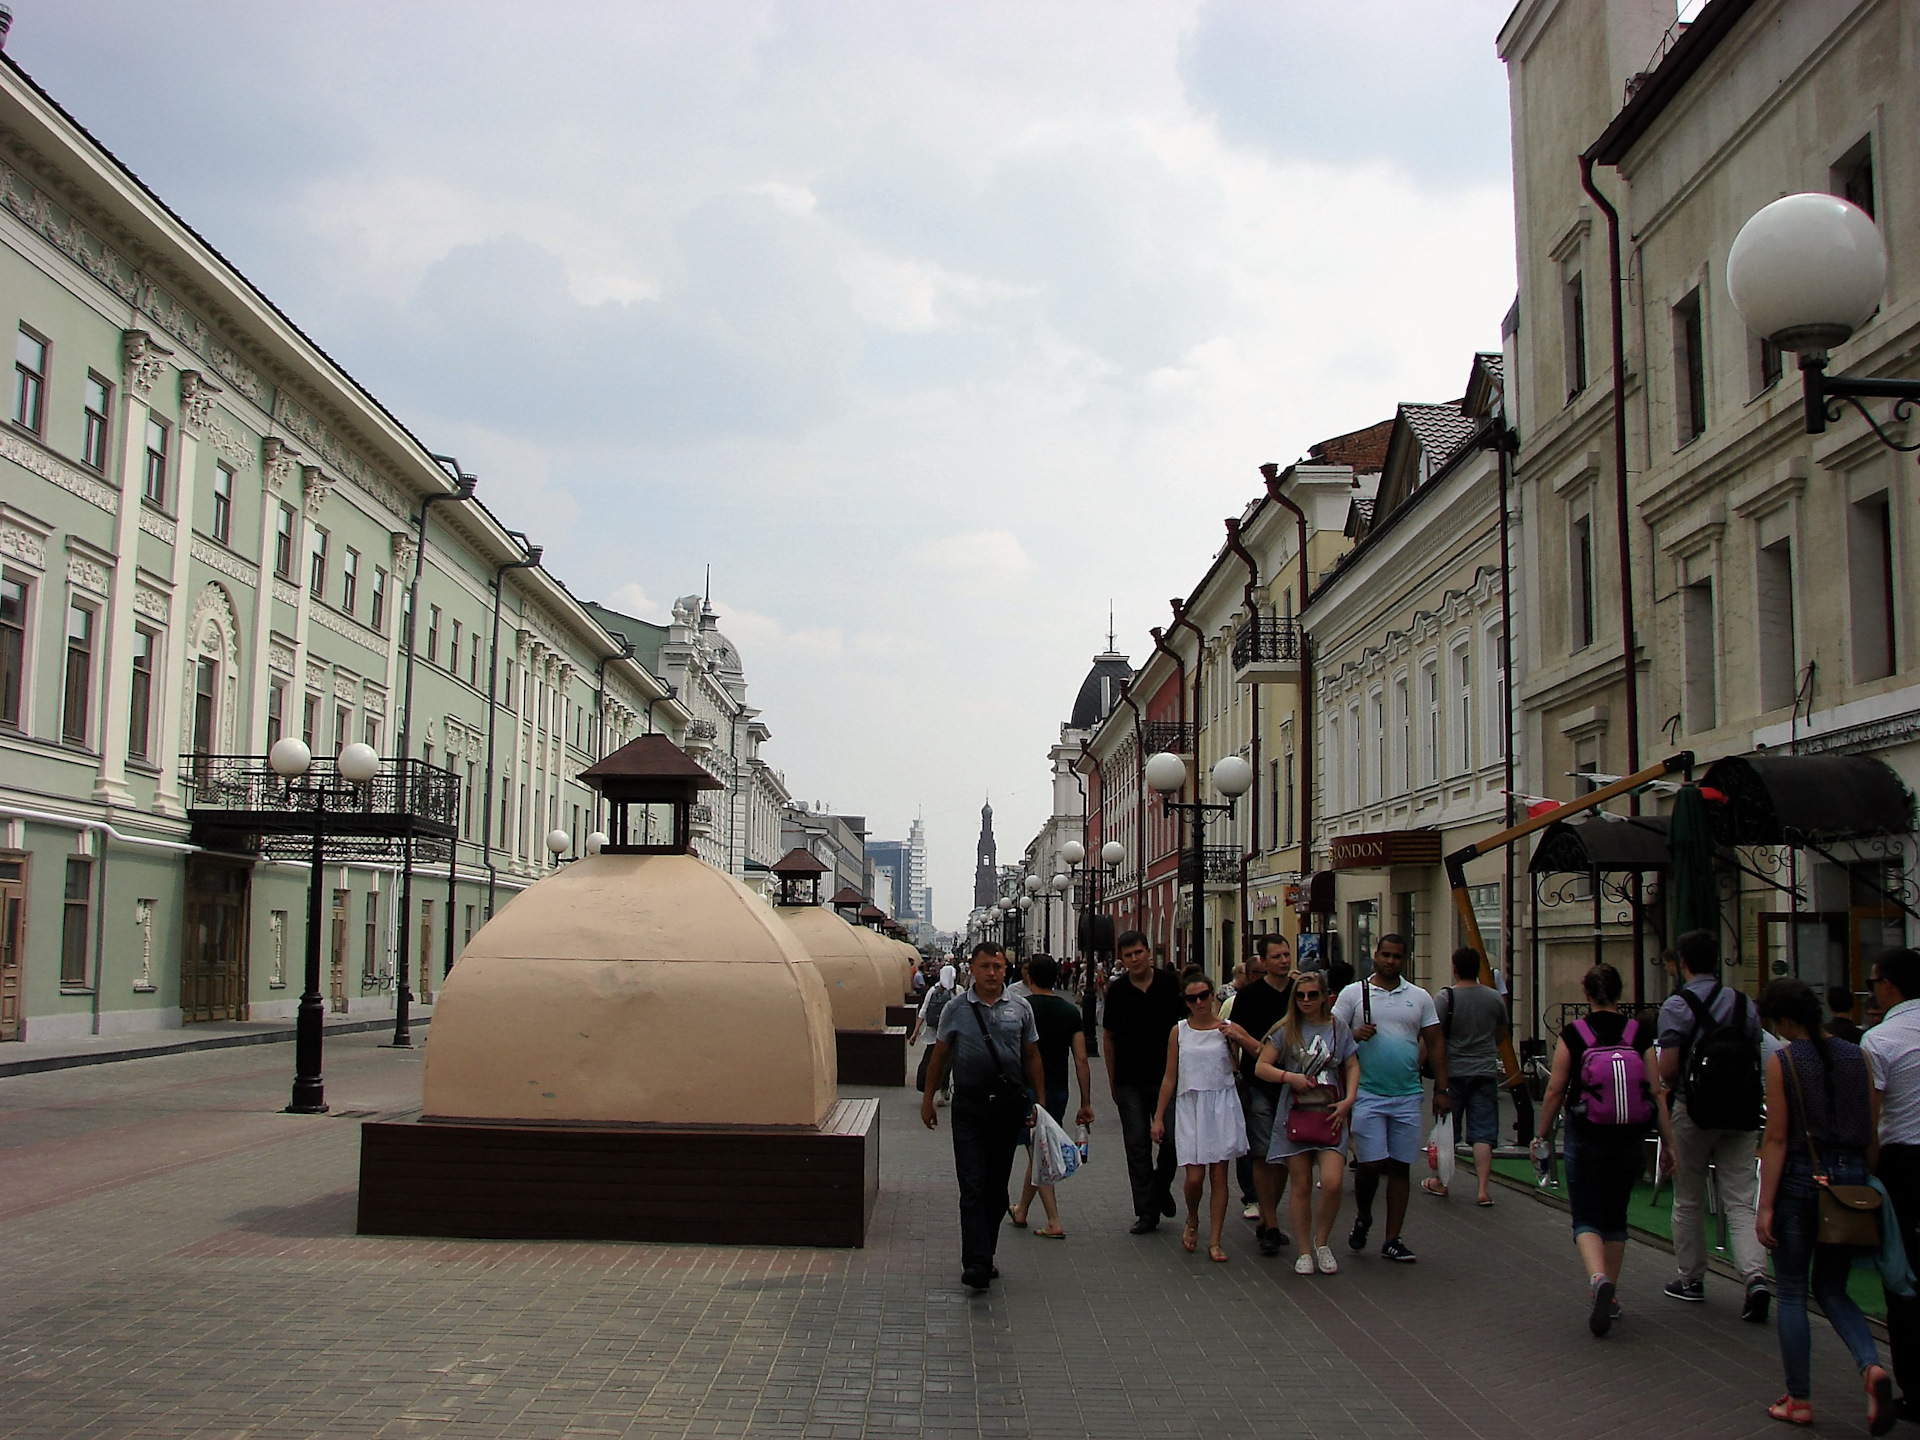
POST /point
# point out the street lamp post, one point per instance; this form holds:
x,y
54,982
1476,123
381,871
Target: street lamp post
x,y
290,760
1806,272
1232,777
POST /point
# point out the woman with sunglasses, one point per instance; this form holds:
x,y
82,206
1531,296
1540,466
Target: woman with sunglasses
x,y
1209,1127
1312,1057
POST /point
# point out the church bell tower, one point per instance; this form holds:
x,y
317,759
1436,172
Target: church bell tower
x,y
986,874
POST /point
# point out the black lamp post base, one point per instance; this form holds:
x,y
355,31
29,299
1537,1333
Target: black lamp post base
x,y
309,1098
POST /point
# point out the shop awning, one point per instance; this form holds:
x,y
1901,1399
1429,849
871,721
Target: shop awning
x,y
1796,799
1604,843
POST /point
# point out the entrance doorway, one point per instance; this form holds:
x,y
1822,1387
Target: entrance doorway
x,y
13,909
337,966
213,952
425,988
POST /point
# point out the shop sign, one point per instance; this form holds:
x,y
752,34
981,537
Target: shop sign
x,y
1383,848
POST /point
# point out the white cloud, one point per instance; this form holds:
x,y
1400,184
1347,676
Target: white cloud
x,y
979,561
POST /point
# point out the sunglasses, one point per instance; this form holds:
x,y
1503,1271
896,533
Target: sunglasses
x,y
1198,996
1306,994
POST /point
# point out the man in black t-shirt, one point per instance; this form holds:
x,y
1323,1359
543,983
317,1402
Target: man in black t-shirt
x,y
1063,1048
1142,1006
1257,1010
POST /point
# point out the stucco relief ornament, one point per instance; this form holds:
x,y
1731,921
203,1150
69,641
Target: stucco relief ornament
x,y
146,361
196,400
315,488
404,549
279,466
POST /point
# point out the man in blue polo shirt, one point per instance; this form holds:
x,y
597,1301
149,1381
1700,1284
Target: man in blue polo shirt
x,y
1389,1017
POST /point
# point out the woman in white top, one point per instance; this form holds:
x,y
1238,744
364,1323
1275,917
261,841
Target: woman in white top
x,y
1209,1129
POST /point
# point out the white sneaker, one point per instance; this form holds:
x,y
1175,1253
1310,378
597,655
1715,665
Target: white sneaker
x,y
1304,1265
1250,1211
1323,1257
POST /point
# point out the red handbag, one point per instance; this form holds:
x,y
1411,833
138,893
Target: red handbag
x,y
1314,1126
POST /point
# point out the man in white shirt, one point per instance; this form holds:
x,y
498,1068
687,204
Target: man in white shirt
x,y
1389,1017
1893,1058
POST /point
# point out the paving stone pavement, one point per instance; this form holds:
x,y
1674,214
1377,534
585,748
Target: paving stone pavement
x,y
180,1262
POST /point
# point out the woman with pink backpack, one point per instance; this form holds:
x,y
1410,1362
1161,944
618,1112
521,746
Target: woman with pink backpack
x,y
1605,1075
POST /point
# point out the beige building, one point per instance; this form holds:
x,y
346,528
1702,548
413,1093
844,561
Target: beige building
x,y
1770,594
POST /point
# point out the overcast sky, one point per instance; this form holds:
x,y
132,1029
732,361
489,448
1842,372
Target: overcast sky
x,y
933,327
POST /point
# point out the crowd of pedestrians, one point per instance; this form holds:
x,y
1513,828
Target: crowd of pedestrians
x,y
1801,1124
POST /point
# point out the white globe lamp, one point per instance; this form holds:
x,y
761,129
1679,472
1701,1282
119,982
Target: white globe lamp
x,y
557,841
1058,884
1112,853
1806,271
290,758
1032,883
359,763
1232,776
1073,852
1166,773
1026,902
596,842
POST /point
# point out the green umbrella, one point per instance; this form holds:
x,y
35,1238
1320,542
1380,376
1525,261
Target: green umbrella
x,y
1693,895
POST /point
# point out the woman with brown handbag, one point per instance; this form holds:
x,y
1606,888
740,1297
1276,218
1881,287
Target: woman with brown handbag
x,y
1312,1056
1814,1160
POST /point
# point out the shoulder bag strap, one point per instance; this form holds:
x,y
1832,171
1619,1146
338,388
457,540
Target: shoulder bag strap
x,y
1703,1022
1806,1130
987,1035
1366,1001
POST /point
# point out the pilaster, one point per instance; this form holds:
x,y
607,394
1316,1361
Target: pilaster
x,y
140,367
276,469
185,476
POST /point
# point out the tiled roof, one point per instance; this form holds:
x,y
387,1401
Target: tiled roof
x,y
1365,450
1440,429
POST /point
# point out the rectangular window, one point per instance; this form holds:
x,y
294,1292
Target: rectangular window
x,y
370,732
1289,809
1765,363
433,633
94,398
377,601
1487,914
276,712
13,649
1779,668
506,794
466,802
1852,178
1463,695
370,942
1431,678
349,579
154,486
310,719
223,503
1403,727
1583,590
473,663
1381,768
140,712
1870,583
29,380
342,727
426,751
453,650
76,708
283,543
406,618
1689,370
206,695
1496,652
1574,317
73,923
469,926
317,566
1696,618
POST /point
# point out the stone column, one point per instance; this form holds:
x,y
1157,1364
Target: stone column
x,y
314,491
196,402
276,469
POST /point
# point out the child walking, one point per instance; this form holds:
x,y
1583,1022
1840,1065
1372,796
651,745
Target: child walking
x,y
1209,1128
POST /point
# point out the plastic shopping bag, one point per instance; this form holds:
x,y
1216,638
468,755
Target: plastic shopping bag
x,y
1055,1153
1440,1149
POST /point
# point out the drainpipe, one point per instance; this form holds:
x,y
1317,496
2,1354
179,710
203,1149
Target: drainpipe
x,y
1198,958
532,558
1253,694
1180,690
1139,796
1622,515
1303,693
1091,899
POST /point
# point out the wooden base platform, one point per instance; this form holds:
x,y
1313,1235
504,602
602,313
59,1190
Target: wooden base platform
x,y
902,1015
551,1182
871,1057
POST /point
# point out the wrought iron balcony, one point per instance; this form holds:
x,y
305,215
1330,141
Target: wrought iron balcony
x,y
1174,735
701,814
1267,649
241,798
702,732
1218,864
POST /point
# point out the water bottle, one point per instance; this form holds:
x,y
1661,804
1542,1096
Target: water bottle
x,y
1542,1152
1083,1144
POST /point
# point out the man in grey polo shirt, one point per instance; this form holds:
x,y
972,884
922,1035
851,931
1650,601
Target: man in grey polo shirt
x,y
994,1047
1893,1058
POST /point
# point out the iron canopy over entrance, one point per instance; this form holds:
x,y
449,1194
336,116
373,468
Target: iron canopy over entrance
x,y
1806,800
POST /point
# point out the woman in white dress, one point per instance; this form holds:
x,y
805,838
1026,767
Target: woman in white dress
x,y
1209,1128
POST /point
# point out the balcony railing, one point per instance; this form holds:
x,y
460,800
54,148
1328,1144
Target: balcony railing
x,y
1267,648
1174,735
701,813
1218,865
702,731
242,794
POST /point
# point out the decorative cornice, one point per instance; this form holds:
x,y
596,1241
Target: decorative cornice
x,y
313,432
316,675
25,543
160,526
87,575
326,619
226,562
405,547
52,223
145,360
28,456
280,657
150,603
286,594
185,327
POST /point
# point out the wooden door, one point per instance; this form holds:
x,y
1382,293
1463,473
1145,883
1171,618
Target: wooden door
x,y
337,955
213,950
13,911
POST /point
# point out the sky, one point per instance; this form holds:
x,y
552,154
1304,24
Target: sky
x,y
935,329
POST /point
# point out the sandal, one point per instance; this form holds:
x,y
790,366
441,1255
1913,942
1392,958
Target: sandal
x,y
1881,1410
1019,1220
1190,1237
1794,1412
1051,1234
1434,1188
1216,1254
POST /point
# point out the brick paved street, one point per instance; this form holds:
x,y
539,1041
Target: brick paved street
x,y
180,1261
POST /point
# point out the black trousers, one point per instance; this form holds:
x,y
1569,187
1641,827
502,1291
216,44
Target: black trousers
x,y
983,1147
1900,1173
1152,1180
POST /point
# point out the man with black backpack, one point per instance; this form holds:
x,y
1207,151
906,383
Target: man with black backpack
x,y
1710,1061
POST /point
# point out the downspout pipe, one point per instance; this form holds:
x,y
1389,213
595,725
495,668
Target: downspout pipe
x,y
1091,898
1239,549
1139,796
1180,692
527,562
1303,693
1198,956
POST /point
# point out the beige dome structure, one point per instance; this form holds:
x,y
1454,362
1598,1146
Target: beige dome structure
x,y
594,997
859,984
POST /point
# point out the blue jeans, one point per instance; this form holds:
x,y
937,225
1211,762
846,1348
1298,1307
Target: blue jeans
x,y
1796,1221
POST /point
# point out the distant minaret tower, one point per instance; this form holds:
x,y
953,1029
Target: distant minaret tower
x,y
986,874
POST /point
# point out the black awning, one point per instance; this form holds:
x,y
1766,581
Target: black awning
x,y
1602,842
1792,799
